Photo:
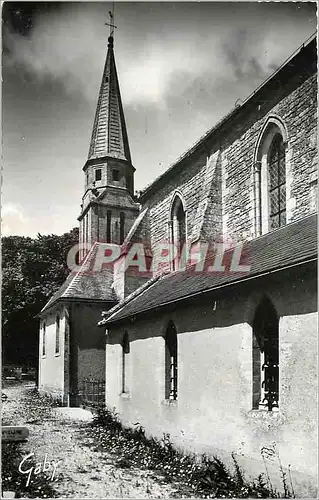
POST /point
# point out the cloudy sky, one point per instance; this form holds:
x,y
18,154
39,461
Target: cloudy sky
x,y
181,66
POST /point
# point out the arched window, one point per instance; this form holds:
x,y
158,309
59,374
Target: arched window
x,y
122,227
125,353
108,226
171,362
270,177
44,339
57,334
266,357
178,232
277,183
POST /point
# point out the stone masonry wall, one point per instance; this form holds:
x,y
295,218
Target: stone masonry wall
x,y
298,111
229,208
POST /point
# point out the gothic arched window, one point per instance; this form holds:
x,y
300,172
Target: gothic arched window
x,y
277,183
171,362
125,352
178,230
271,192
122,227
266,357
57,334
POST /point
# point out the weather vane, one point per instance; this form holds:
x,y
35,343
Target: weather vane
x,y
111,23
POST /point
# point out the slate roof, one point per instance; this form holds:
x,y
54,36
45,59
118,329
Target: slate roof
x,y
109,136
87,283
291,245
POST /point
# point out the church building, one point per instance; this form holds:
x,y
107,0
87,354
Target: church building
x,y
215,340
223,357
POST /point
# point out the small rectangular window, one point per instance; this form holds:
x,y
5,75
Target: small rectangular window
x,y
98,174
171,363
43,340
125,353
115,175
57,335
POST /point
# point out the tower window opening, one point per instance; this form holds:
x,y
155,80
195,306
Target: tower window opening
x,y
129,183
108,226
122,227
87,228
115,174
98,174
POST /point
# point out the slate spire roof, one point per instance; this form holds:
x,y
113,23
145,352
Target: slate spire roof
x,y
109,136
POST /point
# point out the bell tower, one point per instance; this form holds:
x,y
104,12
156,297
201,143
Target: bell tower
x,y
108,208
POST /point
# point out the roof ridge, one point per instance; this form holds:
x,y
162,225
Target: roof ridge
x,y
77,273
279,255
139,291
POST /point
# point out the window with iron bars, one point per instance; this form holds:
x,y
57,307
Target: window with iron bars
x,y
266,357
171,362
125,352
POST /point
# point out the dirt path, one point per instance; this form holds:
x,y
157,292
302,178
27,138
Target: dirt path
x,y
83,471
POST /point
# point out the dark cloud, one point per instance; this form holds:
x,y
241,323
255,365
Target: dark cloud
x,y
182,66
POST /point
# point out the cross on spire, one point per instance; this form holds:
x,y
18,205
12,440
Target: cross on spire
x,y
111,23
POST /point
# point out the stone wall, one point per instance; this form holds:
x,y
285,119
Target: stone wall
x,y
216,180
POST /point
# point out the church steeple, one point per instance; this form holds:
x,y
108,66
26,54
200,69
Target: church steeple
x,y
108,209
109,136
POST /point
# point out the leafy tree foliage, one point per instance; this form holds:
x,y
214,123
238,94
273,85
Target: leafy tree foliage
x,y
32,270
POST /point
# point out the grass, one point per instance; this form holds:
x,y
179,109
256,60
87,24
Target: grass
x,y
12,480
204,476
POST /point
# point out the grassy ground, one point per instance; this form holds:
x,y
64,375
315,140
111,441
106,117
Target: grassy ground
x,y
103,459
203,477
84,471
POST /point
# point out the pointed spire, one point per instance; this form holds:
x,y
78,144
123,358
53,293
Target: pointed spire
x,y
109,136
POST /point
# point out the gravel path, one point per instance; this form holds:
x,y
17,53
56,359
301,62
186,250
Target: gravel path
x,y
83,470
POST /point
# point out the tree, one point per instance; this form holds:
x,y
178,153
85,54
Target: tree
x,y
32,270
